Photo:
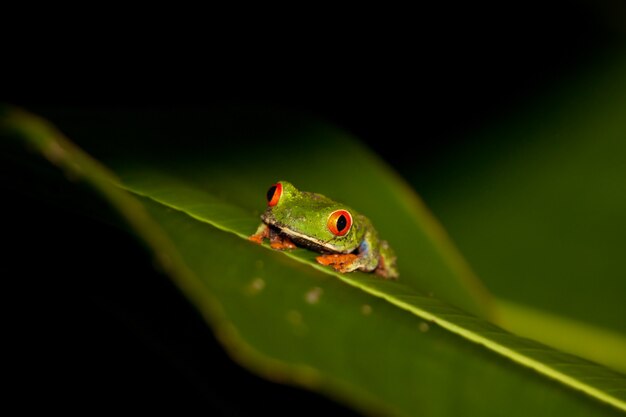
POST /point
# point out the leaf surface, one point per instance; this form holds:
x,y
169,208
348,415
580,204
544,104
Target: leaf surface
x,y
537,204
381,345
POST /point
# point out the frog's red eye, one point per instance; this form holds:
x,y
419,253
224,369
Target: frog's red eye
x,y
274,193
339,222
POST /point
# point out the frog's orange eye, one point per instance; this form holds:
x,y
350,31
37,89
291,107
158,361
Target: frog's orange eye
x,y
274,193
339,222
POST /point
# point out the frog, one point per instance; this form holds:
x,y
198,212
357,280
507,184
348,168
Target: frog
x,y
346,240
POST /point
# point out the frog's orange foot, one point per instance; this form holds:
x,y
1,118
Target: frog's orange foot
x,y
261,234
258,239
281,242
341,262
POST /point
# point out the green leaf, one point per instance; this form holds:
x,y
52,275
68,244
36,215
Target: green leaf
x,y
380,345
541,215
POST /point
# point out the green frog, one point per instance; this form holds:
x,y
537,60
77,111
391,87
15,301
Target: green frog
x,y
345,238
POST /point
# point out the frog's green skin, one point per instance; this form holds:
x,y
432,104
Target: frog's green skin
x,y
303,217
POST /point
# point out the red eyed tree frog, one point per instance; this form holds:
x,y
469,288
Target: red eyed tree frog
x,y
346,239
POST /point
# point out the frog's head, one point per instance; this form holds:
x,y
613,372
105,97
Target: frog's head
x,y
311,219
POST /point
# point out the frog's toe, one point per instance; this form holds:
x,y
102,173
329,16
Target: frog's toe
x,y
258,239
340,262
261,233
281,242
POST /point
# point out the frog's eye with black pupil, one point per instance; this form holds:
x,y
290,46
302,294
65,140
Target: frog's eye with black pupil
x,y
274,193
339,222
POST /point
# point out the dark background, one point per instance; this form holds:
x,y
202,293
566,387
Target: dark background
x,y
412,89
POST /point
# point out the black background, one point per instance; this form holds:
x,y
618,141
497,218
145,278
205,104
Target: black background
x,y
87,340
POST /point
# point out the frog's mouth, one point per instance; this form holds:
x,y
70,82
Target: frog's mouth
x,y
308,241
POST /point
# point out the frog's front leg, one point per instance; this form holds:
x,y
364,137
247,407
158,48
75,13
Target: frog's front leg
x,y
262,232
278,240
366,260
